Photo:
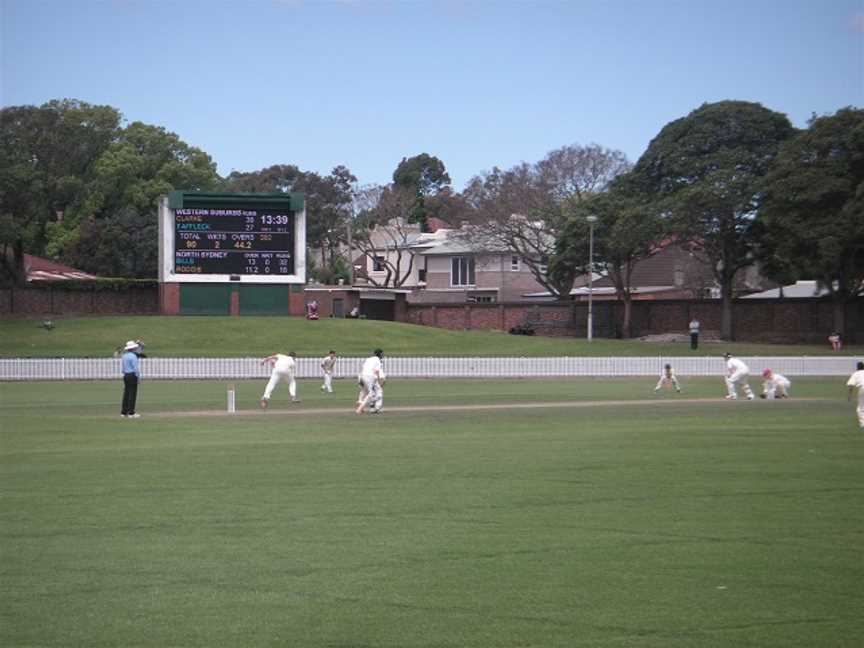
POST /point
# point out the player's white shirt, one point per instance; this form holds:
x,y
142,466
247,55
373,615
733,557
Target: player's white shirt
x,y
327,363
857,380
371,366
779,379
284,363
734,365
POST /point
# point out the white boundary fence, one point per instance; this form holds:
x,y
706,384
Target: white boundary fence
x,y
251,368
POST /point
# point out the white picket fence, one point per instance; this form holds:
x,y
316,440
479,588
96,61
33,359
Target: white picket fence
x,y
251,368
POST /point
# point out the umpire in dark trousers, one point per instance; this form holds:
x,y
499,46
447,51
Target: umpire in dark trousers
x,y
694,333
131,375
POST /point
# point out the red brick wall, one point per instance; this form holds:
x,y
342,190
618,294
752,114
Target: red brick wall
x,y
325,297
799,320
56,301
296,302
803,320
169,298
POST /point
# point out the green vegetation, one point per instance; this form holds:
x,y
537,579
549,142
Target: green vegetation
x,y
260,336
663,523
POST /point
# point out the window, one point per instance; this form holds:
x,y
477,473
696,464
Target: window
x,y
462,271
378,264
421,275
514,263
543,264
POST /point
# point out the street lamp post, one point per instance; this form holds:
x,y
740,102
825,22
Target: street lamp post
x,y
591,220
350,253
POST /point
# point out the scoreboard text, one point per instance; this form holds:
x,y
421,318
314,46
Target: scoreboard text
x,y
212,240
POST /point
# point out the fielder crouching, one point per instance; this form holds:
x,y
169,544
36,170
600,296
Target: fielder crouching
x,y
774,385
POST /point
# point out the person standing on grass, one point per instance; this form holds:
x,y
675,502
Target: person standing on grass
x,y
694,333
856,381
371,379
327,365
131,375
667,379
284,368
737,373
775,385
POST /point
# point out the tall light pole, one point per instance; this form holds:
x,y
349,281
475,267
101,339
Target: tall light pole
x,y
591,220
350,252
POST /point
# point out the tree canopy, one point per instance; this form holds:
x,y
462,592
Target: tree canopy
x,y
47,154
328,209
624,234
703,174
113,229
424,176
812,213
523,210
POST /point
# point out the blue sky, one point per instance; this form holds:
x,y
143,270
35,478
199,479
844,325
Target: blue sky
x,y
479,84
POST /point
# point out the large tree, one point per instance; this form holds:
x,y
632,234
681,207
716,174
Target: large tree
x,y
578,172
424,176
328,208
812,215
119,207
329,201
703,174
278,178
46,156
624,234
524,209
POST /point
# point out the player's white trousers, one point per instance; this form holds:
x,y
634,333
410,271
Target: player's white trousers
x,y
328,383
275,378
860,411
374,393
738,378
664,381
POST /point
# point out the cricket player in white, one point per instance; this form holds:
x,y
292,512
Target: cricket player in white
x,y
775,385
363,390
284,368
856,380
371,377
327,364
737,373
668,378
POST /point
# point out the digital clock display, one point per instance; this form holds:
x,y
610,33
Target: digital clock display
x,y
214,240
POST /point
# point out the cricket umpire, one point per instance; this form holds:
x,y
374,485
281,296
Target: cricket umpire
x,y
131,376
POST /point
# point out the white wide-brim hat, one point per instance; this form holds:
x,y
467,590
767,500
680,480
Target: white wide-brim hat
x,y
131,344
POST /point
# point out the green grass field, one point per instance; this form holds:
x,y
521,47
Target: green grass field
x,y
667,521
261,336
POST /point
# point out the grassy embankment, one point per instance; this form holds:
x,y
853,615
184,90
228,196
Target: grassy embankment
x,y
260,336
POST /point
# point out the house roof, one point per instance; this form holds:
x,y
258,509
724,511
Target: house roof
x,y
604,290
798,289
448,247
39,269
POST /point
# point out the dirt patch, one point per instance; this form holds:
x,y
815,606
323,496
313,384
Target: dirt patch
x,y
297,411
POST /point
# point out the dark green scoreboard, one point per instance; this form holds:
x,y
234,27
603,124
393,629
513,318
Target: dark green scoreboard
x,y
218,237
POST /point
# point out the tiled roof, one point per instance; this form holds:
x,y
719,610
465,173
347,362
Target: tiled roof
x,y
39,269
